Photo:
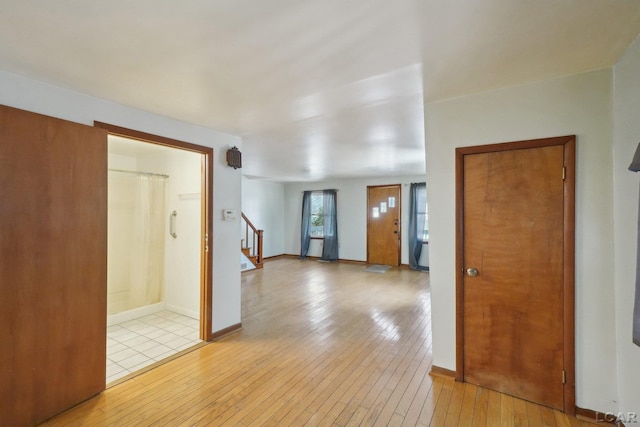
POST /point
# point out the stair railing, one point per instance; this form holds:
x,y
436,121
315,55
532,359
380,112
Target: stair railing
x,y
255,236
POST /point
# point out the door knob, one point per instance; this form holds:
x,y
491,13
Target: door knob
x,y
472,272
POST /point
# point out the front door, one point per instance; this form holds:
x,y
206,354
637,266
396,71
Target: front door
x,y
514,236
383,225
53,265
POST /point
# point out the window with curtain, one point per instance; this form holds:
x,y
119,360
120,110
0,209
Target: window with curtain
x,y
635,167
418,224
319,220
423,216
317,215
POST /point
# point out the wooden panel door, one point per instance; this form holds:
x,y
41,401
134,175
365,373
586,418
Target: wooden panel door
x,y
383,225
513,272
53,242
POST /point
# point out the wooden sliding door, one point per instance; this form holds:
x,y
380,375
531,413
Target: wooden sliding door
x,y
53,223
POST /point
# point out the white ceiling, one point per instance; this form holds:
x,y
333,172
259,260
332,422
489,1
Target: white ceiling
x,y
317,88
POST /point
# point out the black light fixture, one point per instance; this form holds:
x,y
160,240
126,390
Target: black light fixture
x,y
234,158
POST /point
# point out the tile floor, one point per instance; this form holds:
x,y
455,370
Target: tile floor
x,y
138,343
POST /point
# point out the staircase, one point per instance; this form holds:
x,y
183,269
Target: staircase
x,y
251,245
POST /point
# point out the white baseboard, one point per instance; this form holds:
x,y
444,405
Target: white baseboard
x,y
185,312
114,319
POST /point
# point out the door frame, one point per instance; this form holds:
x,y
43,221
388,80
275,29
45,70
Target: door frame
x,y
569,144
399,203
206,246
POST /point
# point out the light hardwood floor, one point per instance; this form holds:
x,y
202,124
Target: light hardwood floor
x,y
323,344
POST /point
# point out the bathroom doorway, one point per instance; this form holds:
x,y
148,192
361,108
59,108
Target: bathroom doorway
x,y
158,258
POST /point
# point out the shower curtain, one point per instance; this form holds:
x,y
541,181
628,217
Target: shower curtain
x,y
147,249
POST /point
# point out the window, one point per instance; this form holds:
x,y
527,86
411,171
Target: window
x,y
418,224
422,213
319,221
425,233
317,215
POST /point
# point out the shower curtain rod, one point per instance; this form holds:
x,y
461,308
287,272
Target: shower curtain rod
x,y
139,173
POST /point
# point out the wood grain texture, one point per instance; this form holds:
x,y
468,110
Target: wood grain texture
x,y
515,223
569,274
383,232
513,216
206,250
53,274
322,344
442,372
459,274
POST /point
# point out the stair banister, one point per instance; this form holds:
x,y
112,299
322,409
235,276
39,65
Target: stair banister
x,y
255,250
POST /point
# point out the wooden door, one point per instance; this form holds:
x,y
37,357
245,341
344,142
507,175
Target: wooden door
x,y
514,287
383,225
53,242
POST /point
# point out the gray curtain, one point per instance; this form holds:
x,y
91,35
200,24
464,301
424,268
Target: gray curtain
x,y
417,211
636,306
305,238
635,167
330,226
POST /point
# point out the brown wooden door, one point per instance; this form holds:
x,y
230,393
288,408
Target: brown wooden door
x,y
53,222
383,225
513,227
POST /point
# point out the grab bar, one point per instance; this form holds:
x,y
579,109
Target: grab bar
x,y
172,224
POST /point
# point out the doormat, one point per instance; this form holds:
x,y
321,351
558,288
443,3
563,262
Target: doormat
x,y
377,268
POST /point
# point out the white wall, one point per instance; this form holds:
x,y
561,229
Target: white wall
x,y
263,204
182,254
626,136
27,94
352,215
581,105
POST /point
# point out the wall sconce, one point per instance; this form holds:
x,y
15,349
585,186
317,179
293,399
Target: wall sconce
x,y
234,158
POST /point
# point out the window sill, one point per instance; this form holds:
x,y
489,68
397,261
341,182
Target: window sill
x,y
316,238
